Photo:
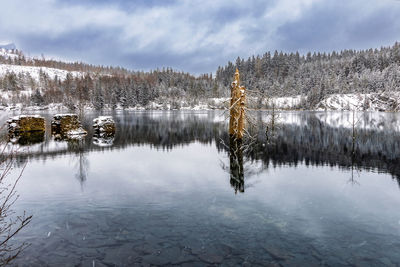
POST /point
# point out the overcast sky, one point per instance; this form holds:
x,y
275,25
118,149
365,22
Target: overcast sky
x,y
193,35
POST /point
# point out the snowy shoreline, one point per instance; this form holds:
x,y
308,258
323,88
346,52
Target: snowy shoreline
x,y
337,102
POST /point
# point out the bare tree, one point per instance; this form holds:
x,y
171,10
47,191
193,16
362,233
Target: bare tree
x,y
10,223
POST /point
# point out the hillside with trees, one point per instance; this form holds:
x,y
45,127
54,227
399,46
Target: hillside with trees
x,y
313,76
97,86
318,75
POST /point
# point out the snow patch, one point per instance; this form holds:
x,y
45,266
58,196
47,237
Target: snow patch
x,y
34,72
76,132
289,102
7,53
381,101
101,120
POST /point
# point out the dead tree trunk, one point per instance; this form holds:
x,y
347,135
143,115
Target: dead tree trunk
x,y
236,133
237,108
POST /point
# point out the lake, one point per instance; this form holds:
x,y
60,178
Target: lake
x,y
165,191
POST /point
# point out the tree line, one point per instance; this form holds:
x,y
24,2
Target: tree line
x,y
319,74
111,90
279,74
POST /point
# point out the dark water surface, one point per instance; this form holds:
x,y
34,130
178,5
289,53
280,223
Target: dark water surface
x,y
161,193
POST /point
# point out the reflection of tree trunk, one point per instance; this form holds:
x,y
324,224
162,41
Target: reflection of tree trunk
x,y
82,169
353,149
353,159
236,164
82,164
353,145
353,135
81,108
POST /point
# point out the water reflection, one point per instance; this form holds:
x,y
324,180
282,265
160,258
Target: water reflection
x,y
27,138
82,163
158,195
236,164
10,223
309,137
104,138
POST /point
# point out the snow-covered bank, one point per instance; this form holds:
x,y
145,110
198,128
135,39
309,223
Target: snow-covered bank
x,y
290,102
360,102
158,104
382,101
21,107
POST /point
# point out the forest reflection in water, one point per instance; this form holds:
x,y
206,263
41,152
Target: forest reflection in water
x,y
312,138
172,188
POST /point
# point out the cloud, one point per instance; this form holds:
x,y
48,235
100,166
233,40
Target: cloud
x,y
194,36
339,25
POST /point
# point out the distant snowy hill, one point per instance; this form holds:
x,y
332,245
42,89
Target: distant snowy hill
x,y
10,46
34,72
8,53
17,74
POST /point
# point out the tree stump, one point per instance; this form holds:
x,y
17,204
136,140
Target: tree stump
x,y
237,108
236,133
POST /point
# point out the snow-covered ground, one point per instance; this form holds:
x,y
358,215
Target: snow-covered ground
x,y
34,72
289,102
358,102
7,53
31,70
381,101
